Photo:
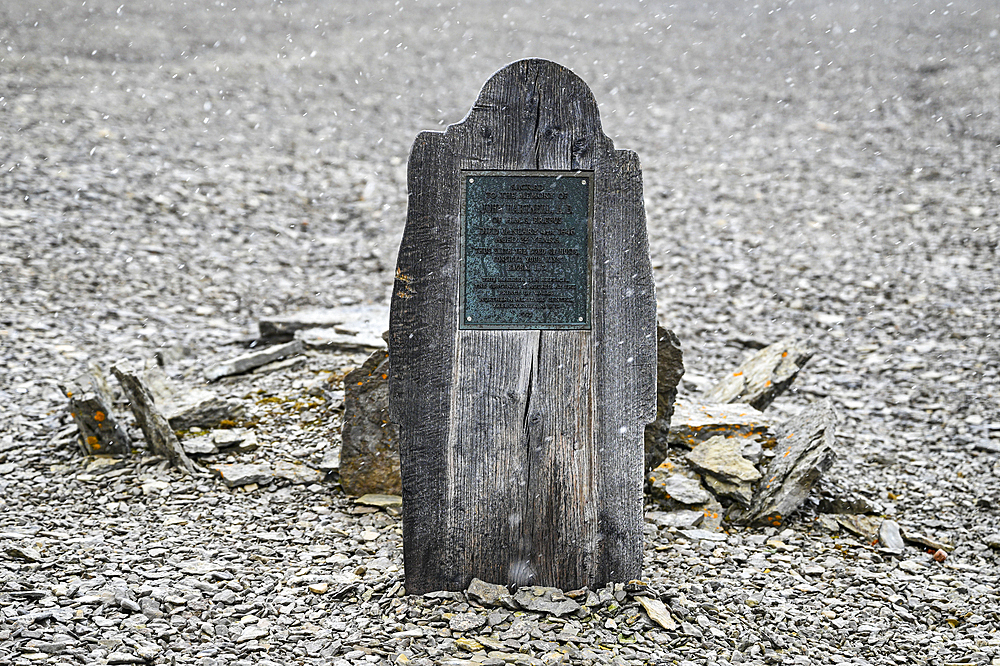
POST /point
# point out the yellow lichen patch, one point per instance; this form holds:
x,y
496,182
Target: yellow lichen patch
x,y
92,442
407,291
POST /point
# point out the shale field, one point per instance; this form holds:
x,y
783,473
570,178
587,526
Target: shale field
x,y
173,173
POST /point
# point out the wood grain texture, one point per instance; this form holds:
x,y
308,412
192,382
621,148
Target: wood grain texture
x,y
522,450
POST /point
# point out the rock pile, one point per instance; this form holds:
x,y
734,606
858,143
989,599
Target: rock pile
x,y
735,462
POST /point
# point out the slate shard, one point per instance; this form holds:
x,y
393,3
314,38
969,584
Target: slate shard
x,y
90,406
693,423
352,321
159,436
675,486
763,377
803,454
549,600
254,359
187,407
889,536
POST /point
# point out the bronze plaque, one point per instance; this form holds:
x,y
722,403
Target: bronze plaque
x,y
526,249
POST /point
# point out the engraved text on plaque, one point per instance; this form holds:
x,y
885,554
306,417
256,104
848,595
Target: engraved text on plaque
x,y
526,245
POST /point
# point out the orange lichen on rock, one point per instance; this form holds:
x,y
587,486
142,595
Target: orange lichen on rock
x,y
99,416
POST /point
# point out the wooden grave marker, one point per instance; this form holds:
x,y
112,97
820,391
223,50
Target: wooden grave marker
x,y
523,343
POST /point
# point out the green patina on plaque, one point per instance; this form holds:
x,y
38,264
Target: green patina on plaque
x,y
526,249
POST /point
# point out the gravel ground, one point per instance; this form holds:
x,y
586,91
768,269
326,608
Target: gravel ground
x,y
172,172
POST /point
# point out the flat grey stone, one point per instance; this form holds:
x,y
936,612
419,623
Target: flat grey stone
x,y
297,472
679,518
24,553
463,622
380,500
52,647
486,594
545,600
720,456
187,407
889,536
802,457
324,338
251,360
741,493
330,462
762,377
282,365
657,612
926,541
695,422
349,320
678,487
703,535
242,474
201,445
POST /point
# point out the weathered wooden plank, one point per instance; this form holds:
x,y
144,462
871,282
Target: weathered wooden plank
x,y
488,461
625,361
562,462
421,345
521,450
